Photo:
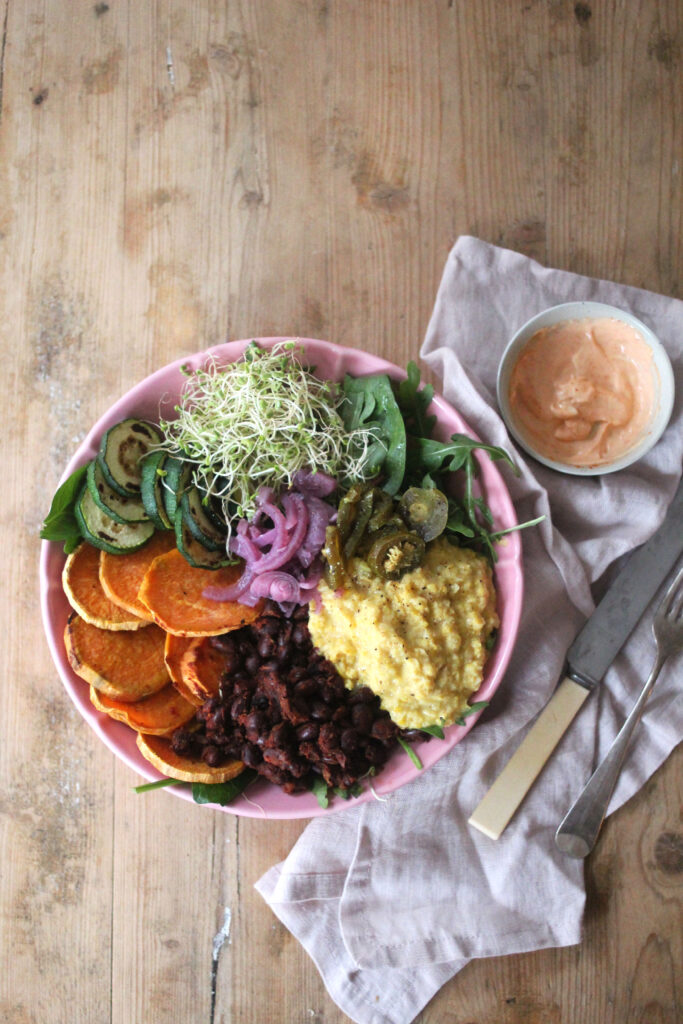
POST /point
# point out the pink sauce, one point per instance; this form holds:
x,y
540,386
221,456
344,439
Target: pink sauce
x,y
583,391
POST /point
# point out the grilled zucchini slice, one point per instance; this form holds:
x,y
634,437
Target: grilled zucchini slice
x,y
121,452
118,508
170,485
105,533
152,489
194,551
198,522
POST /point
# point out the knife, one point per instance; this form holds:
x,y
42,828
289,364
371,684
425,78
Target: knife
x,y
588,659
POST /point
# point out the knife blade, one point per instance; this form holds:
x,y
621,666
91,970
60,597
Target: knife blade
x,y
616,615
588,658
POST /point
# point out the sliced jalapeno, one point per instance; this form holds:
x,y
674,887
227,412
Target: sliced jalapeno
x,y
394,552
348,508
363,513
335,572
425,510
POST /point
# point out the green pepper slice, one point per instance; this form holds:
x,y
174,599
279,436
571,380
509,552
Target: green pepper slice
x,y
363,514
425,510
394,552
335,571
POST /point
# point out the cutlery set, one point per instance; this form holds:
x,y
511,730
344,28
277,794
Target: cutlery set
x,y
588,659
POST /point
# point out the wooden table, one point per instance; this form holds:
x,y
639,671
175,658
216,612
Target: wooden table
x,y
175,174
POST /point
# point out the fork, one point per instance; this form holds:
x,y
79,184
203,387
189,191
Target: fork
x,y
579,830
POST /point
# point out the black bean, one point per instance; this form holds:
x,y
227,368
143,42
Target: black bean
x,y
362,718
254,724
300,635
384,729
362,695
349,741
320,711
306,686
212,756
251,663
251,755
267,644
307,731
238,707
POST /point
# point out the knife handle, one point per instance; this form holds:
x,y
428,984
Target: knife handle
x,y
507,792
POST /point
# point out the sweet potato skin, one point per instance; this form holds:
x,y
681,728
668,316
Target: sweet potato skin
x,y
201,669
158,715
174,649
121,575
158,751
172,592
84,591
123,665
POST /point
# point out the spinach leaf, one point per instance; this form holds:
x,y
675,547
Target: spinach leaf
x,y
60,523
222,792
371,403
414,403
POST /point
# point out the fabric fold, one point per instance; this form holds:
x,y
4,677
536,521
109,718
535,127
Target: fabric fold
x,y
393,898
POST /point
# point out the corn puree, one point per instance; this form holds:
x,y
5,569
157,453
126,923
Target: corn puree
x,y
418,642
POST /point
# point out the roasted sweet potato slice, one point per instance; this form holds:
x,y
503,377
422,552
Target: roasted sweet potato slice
x,y
158,751
174,649
81,582
172,591
157,715
201,668
121,575
123,665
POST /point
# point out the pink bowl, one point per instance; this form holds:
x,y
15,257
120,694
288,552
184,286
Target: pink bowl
x,y
156,396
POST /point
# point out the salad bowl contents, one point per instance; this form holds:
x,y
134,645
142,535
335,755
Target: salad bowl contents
x,y
288,568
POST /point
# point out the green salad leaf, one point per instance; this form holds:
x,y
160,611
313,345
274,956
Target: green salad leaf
x,y
60,523
320,791
371,405
222,792
470,710
434,730
159,784
411,753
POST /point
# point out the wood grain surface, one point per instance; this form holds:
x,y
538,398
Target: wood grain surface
x,y
174,174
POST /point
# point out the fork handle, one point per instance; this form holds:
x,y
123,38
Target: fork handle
x,y
579,830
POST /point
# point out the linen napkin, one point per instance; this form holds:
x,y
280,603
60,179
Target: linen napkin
x,y
392,898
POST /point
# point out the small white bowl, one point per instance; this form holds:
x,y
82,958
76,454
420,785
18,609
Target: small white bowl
x,y
664,382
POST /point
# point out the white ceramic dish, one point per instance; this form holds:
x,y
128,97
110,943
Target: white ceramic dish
x,y
664,382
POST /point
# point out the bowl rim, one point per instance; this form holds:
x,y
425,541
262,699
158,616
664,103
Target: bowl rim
x,y
305,805
575,310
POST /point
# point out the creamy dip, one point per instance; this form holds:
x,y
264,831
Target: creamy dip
x,y
420,642
582,392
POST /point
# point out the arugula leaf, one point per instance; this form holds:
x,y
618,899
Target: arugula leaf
x,y
319,789
411,753
434,730
449,456
222,792
470,710
60,523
